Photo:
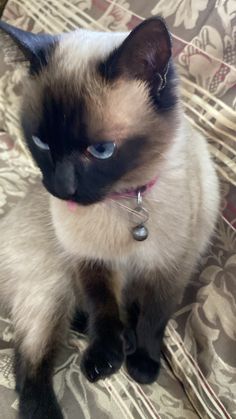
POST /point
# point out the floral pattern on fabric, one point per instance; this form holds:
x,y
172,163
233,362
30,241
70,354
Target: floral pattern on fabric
x,y
185,11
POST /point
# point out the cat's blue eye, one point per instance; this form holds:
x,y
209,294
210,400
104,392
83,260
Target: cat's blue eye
x,y
102,150
39,143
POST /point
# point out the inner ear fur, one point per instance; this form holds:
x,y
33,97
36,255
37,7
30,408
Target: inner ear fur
x,y
145,53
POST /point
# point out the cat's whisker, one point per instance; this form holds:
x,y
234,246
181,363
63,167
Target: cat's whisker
x,y
145,198
132,211
153,200
127,197
124,206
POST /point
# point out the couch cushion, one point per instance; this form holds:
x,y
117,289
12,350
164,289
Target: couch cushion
x,y
200,343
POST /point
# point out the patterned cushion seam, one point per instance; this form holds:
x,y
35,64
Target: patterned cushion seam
x,y
212,113
205,92
215,153
141,396
211,127
206,387
201,407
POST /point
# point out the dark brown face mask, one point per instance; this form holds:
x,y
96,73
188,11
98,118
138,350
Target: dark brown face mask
x,y
75,165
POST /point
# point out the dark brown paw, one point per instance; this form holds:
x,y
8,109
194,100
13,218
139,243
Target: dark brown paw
x,y
41,406
141,367
102,358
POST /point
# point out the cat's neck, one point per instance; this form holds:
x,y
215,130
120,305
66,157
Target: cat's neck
x,y
133,192
127,193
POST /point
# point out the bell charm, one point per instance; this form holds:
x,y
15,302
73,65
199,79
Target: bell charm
x,y
140,233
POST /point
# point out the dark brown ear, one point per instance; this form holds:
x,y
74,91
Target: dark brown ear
x,y
145,53
27,46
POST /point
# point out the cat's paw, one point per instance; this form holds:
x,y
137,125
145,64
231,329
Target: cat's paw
x,y
141,367
41,406
103,358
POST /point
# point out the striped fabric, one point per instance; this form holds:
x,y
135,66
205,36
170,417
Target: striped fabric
x,y
200,342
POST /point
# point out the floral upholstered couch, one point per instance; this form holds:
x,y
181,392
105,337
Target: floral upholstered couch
x,y
198,374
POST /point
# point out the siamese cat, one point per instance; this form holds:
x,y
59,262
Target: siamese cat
x,y
127,204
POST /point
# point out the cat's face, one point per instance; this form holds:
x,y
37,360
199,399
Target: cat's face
x,y
94,115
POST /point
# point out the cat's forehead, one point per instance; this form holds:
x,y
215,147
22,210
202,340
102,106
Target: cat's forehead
x,y
81,47
118,108
122,109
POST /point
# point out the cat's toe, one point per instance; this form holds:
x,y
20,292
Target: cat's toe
x,y
101,360
95,369
141,367
90,369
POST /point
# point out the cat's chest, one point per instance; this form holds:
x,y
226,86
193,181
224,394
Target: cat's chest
x,y
97,232
103,232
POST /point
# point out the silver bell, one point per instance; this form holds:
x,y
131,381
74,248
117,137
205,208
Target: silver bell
x,y
140,233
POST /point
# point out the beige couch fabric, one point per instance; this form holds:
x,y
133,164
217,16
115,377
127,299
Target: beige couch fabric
x,y
2,5
200,343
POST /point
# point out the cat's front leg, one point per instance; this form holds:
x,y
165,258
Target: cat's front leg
x,y
105,353
150,301
41,316
37,399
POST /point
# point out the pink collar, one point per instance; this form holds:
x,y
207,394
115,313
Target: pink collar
x,y
132,193
129,193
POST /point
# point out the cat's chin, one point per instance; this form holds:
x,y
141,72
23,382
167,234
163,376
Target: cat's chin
x,y
85,200
73,204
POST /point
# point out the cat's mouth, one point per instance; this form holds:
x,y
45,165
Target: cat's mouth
x,y
125,194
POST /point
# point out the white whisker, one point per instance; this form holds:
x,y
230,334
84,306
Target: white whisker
x,y
132,211
153,200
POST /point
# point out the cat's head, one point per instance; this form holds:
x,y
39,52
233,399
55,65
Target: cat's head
x,y
99,109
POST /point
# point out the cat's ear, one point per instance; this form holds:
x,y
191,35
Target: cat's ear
x,y
26,46
145,53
